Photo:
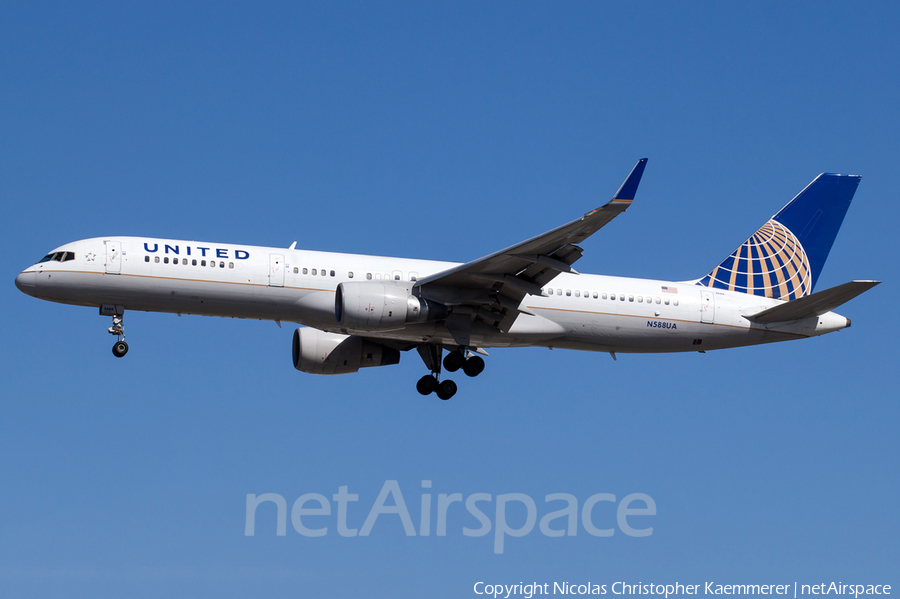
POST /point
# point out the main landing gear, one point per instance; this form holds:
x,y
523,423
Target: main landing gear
x,y
431,383
120,348
472,366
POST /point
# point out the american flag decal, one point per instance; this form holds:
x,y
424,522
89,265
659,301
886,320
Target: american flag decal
x,y
669,289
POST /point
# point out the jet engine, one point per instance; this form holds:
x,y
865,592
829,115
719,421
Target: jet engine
x,y
382,306
318,352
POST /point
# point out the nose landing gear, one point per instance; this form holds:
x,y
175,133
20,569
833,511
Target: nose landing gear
x,y
120,348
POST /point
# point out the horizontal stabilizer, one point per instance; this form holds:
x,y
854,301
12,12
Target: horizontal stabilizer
x,y
816,304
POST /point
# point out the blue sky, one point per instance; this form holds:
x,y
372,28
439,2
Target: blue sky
x,y
442,131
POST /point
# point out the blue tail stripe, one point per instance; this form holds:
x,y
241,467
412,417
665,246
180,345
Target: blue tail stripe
x,y
816,214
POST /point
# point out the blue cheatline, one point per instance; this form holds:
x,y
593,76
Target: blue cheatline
x,y
784,258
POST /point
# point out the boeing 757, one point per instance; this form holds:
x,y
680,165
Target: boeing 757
x,y
360,311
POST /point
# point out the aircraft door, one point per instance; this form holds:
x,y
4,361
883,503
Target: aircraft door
x,y
113,257
276,270
707,307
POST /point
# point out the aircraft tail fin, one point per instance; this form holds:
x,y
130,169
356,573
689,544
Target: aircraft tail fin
x,y
784,258
814,304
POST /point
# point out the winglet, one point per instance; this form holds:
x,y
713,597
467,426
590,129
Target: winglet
x,y
629,187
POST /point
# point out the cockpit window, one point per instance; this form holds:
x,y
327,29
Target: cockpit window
x,y
58,257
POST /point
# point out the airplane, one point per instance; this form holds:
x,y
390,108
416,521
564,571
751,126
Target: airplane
x,y
360,311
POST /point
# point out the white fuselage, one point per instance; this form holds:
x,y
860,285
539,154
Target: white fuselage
x,y
576,311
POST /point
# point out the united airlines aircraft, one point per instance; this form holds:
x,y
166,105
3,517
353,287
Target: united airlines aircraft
x,y
359,311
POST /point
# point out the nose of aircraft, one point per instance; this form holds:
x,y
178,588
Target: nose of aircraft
x,y
25,281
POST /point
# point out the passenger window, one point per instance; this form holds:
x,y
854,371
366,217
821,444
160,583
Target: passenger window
x,y
577,293
203,263
315,272
368,276
595,295
184,261
612,296
323,272
350,274
666,302
305,271
603,296
193,262
146,258
212,263
640,299
568,292
221,265
621,297
231,265
332,273
675,302
657,300
156,259
166,259
630,298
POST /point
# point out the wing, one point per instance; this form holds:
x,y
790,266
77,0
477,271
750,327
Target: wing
x,y
491,288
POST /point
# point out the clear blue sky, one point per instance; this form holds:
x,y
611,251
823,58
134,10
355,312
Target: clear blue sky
x,y
441,131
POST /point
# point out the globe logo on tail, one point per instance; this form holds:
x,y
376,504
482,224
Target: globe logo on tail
x,y
772,263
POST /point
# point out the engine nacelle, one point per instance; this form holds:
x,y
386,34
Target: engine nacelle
x,y
382,306
318,352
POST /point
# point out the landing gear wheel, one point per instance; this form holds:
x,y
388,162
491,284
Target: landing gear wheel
x,y
474,366
446,389
427,385
454,361
120,349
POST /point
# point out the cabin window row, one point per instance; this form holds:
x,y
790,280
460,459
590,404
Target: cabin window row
x,y
63,256
369,276
612,296
186,262
316,272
